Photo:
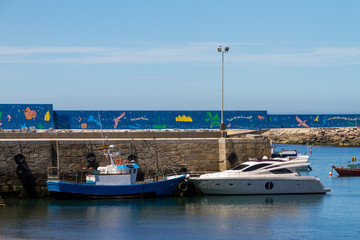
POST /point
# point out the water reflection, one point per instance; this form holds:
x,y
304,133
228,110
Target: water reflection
x,y
252,206
214,217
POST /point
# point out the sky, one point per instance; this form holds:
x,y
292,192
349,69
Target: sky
x,y
285,57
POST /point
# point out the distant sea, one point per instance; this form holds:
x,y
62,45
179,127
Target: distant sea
x,y
331,216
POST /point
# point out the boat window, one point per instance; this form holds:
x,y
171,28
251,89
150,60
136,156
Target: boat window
x,y
239,167
252,168
281,171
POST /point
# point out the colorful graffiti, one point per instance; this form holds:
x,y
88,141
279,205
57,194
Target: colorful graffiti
x,y
117,120
42,116
17,116
92,119
301,123
183,118
160,123
29,114
214,120
47,116
159,119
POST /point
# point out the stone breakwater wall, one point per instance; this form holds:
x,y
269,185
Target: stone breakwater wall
x,y
195,151
342,136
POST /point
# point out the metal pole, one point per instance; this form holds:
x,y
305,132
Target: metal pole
x,y
58,160
222,89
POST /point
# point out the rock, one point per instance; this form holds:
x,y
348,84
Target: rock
x,y
325,136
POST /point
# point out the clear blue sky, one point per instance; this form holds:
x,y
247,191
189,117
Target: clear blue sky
x,y
300,56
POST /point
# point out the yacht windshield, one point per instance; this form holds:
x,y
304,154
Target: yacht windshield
x,y
252,168
239,167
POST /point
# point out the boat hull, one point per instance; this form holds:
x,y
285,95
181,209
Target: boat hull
x,y
347,171
60,189
259,186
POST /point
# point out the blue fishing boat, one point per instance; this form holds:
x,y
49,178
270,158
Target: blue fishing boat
x,y
117,180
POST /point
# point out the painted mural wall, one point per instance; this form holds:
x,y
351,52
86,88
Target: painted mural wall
x,y
18,116
157,119
42,116
320,120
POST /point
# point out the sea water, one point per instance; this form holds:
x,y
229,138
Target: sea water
x,y
335,215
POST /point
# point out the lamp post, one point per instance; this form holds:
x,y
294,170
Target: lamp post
x,y
222,125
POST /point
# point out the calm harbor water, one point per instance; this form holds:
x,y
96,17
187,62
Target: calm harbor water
x,y
331,216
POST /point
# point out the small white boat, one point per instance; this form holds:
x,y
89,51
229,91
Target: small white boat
x,y
291,155
260,177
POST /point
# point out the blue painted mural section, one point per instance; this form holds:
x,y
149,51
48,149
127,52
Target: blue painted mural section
x,y
157,119
17,116
313,120
42,116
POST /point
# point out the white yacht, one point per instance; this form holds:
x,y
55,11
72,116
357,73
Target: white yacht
x,y
260,177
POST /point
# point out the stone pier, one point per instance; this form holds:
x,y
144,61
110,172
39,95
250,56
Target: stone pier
x,y
197,151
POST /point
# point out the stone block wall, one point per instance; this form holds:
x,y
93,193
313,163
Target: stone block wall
x,y
37,155
195,154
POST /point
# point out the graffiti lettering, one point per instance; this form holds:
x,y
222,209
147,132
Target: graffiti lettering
x,y
139,118
343,118
239,117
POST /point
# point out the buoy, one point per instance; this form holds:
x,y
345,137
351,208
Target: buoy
x,y
330,174
118,161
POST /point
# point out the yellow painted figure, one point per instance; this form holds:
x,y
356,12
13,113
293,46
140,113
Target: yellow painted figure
x,y
47,116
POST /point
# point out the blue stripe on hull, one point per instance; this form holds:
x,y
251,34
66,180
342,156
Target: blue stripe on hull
x,y
83,190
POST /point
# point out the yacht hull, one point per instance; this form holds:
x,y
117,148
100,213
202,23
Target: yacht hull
x,y
259,185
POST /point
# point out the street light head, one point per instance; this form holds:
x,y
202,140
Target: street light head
x,y
219,48
227,49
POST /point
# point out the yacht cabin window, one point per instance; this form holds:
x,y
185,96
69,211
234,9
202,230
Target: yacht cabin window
x,y
281,171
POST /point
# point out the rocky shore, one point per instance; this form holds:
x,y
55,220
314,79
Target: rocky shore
x,y
344,136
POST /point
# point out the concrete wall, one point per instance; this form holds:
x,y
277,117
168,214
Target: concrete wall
x,y
195,154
